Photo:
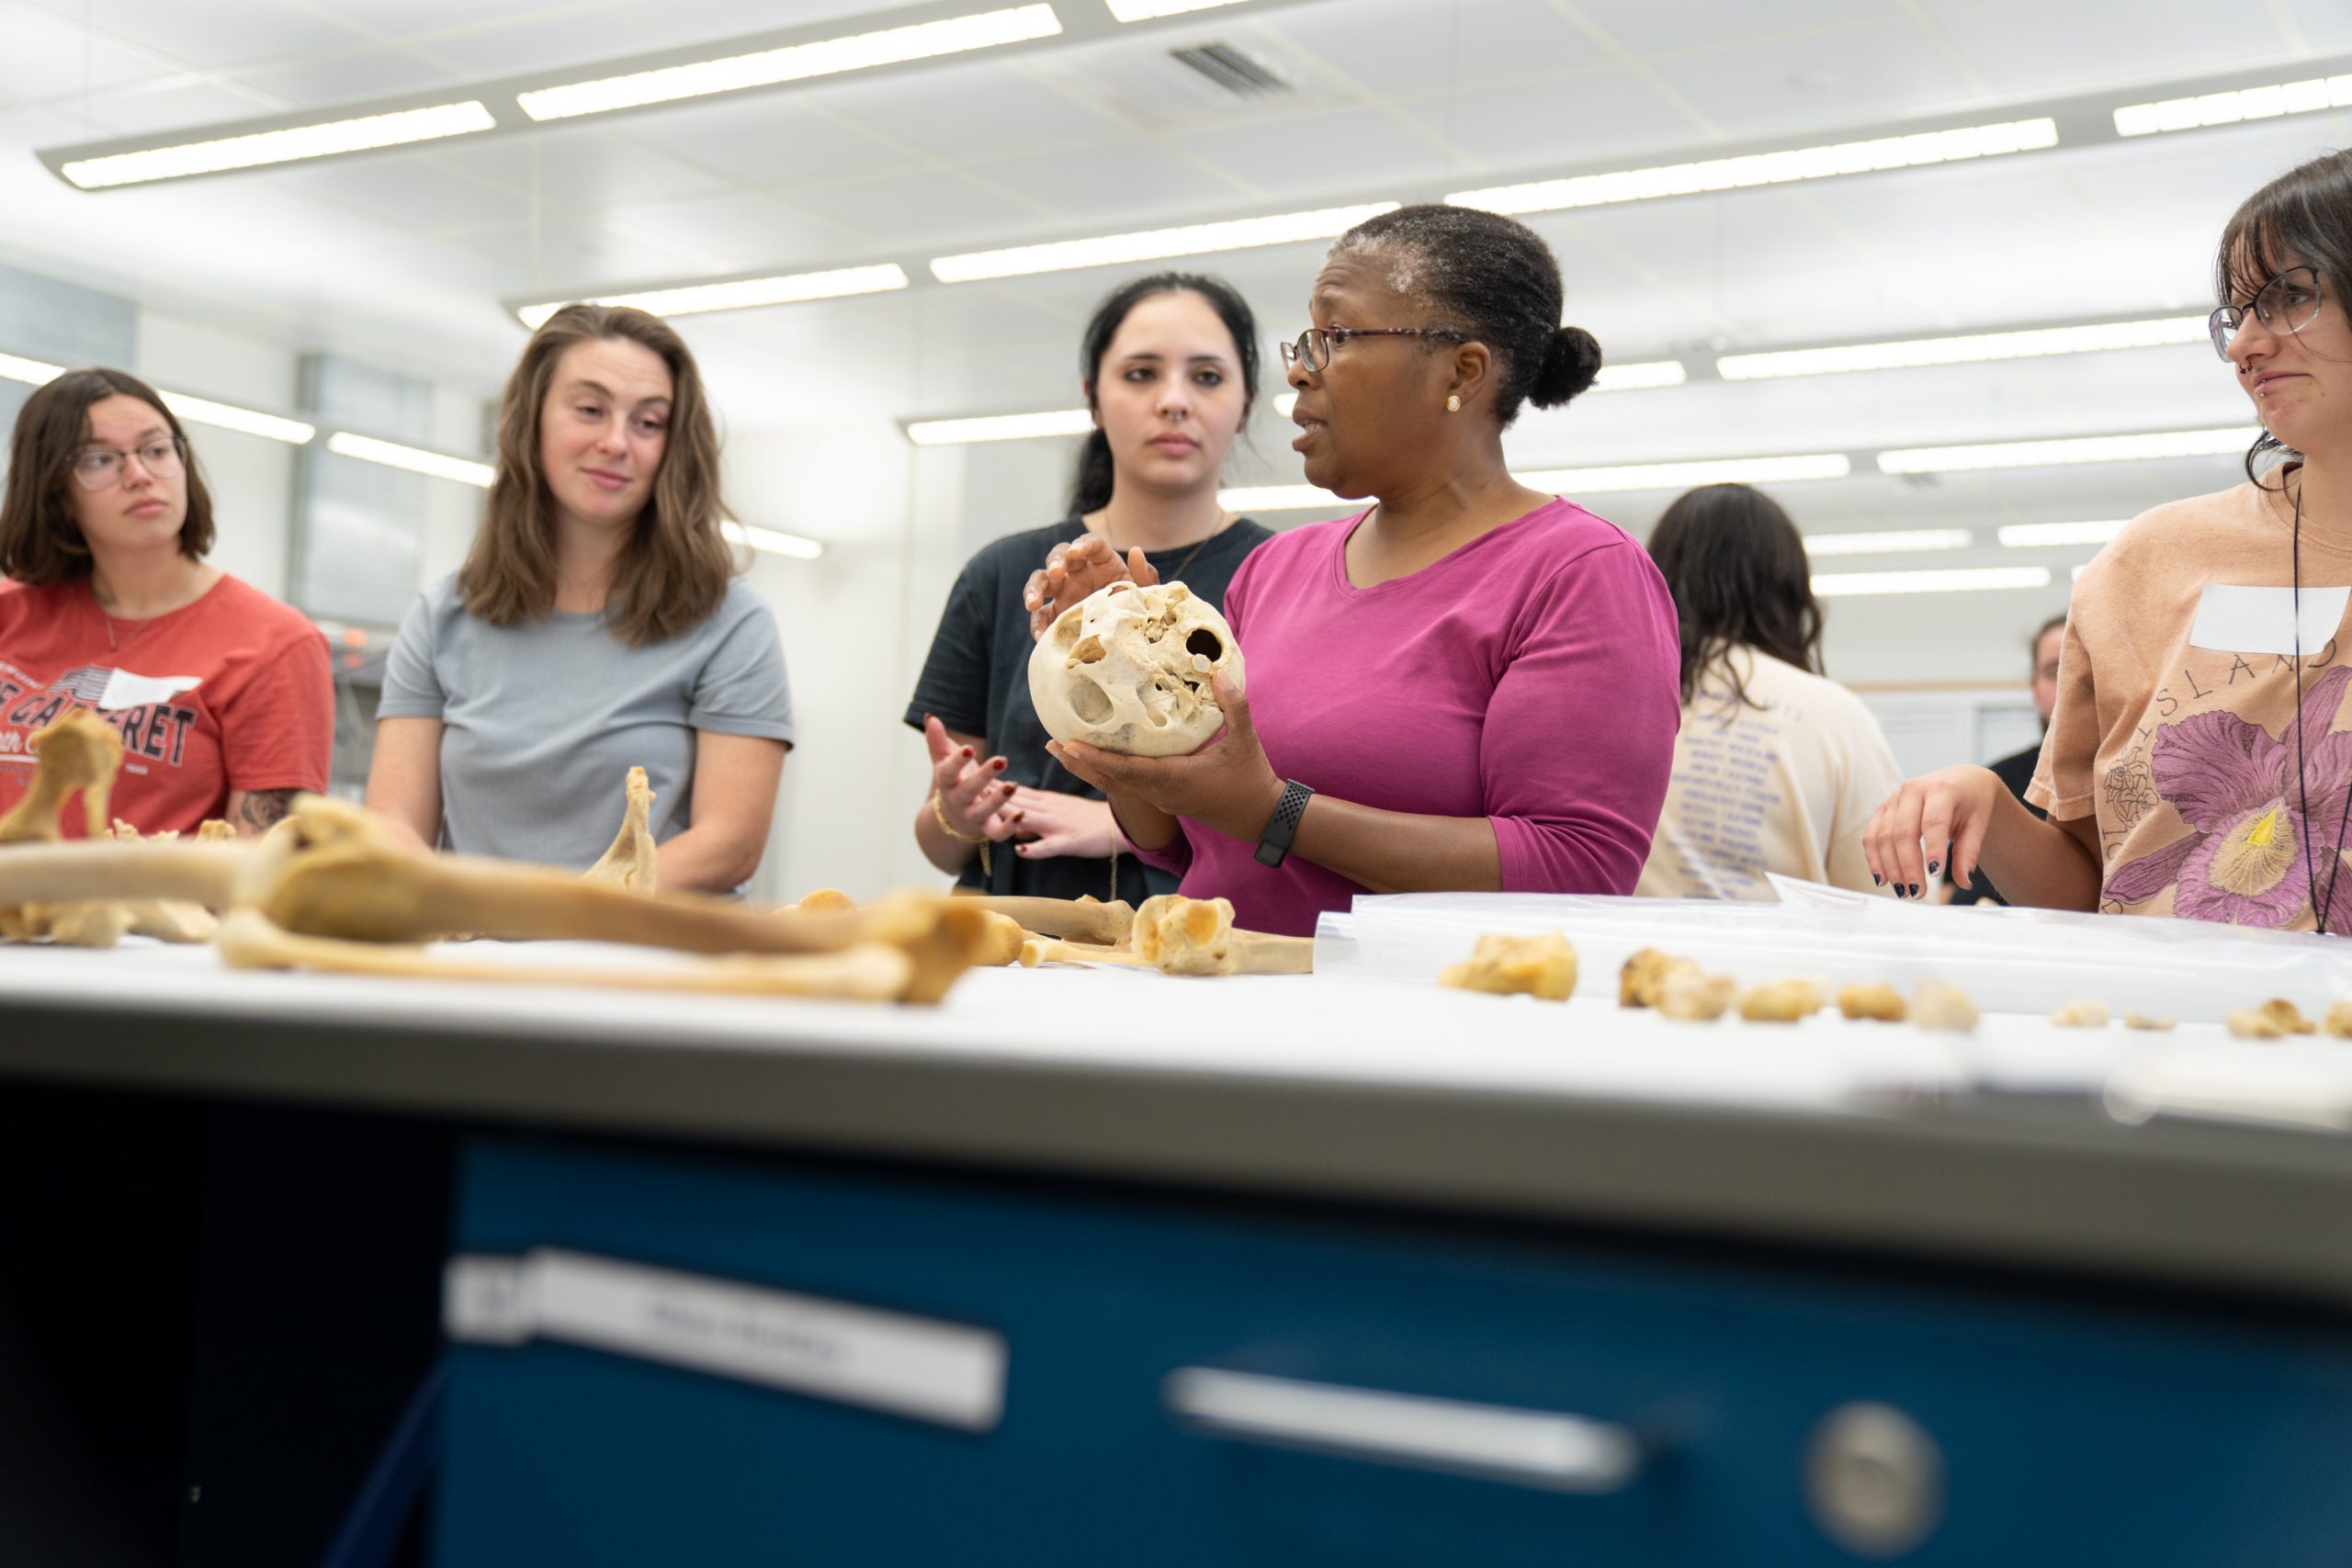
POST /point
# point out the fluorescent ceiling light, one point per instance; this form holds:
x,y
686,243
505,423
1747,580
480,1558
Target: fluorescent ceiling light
x,y
2229,109
794,62
1964,580
1641,375
34,372
1144,10
1155,244
289,145
1679,476
1972,349
774,541
416,460
998,427
743,294
2027,535
1898,541
249,422
2081,449
1766,168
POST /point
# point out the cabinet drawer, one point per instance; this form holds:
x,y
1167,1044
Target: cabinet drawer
x,y
1203,1382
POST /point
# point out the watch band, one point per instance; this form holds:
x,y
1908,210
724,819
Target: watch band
x,y
1283,826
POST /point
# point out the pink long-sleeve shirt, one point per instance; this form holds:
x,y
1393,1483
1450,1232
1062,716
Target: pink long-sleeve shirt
x,y
1531,677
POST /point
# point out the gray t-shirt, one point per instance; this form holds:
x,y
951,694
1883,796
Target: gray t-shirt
x,y
542,722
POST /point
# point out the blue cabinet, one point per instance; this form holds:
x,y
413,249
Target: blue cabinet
x,y
2061,1429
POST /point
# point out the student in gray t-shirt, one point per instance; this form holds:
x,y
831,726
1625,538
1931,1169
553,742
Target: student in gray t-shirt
x,y
595,627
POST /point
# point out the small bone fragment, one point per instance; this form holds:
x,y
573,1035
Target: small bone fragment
x,y
1072,920
1640,981
1196,936
2338,1020
1943,1005
213,831
2082,1015
1541,966
78,751
1694,998
2142,1020
2274,1020
870,972
1783,1001
1000,941
630,863
826,902
1879,1004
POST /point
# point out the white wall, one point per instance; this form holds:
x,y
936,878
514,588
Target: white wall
x,y
252,479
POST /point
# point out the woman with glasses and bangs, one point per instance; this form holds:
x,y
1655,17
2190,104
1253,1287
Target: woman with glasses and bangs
x,y
1471,684
221,694
2197,762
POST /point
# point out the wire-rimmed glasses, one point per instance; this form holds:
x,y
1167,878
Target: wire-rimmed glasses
x,y
102,467
1314,347
2285,304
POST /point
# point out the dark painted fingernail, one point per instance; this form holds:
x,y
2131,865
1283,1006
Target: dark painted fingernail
x,y
1914,890
1934,866
967,751
1877,881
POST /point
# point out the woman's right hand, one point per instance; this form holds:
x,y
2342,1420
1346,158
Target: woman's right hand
x,y
1948,811
972,792
1075,569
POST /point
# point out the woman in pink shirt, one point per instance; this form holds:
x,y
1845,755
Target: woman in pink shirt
x,y
1471,685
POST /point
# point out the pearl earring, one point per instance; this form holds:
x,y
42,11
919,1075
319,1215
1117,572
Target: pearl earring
x,y
1454,404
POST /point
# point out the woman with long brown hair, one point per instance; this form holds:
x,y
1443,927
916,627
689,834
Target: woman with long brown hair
x,y
220,693
1777,769
596,627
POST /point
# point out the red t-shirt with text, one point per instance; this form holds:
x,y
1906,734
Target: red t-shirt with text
x,y
230,692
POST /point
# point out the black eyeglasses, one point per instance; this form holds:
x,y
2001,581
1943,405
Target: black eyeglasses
x,y
1314,347
2285,304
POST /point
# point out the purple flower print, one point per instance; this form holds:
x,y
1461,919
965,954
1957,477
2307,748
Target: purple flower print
x,y
2234,783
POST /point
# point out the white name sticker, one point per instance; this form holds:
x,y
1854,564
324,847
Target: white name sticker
x,y
2263,620
124,689
917,1367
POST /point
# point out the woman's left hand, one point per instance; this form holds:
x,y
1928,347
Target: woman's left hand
x,y
1228,785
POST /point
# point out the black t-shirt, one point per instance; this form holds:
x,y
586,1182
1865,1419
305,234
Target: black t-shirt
x,y
976,679
2015,771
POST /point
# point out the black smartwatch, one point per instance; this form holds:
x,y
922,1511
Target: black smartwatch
x,y
1283,826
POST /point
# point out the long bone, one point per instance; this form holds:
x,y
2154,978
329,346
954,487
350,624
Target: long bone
x,y
1072,920
1001,937
173,920
330,870
869,972
1187,936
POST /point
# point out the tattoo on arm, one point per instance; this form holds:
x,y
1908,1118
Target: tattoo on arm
x,y
265,808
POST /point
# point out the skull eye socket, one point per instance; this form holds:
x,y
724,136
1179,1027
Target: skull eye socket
x,y
1089,701
1204,642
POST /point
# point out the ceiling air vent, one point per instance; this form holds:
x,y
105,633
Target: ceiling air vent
x,y
1229,68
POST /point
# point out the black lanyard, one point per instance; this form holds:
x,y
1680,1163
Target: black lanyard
x,y
2302,778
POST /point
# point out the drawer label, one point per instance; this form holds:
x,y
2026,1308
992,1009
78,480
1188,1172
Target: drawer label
x,y
917,1367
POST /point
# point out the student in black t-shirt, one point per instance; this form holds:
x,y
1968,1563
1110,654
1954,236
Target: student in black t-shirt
x,y
2016,769
1170,373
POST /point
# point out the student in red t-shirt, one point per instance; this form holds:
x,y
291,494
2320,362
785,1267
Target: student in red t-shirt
x,y
221,694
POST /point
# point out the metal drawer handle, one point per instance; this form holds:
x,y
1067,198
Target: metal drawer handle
x,y
1528,1448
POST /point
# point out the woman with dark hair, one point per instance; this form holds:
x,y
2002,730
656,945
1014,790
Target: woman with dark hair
x,y
1471,684
220,693
597,625
1169,368
2195,763
1776,768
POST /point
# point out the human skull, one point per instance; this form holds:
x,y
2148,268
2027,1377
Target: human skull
x,y
1127,668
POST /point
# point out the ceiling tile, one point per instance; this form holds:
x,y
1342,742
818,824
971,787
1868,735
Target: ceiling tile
x,y
2031,47
413,192
214,36
1129,183
1664,29
2326,24
1595,115
316,81
412,18
1312,153
47,60
746,230
984,111
766,140
918,209
678,22
1762,88
581,169
583,256
1408,46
